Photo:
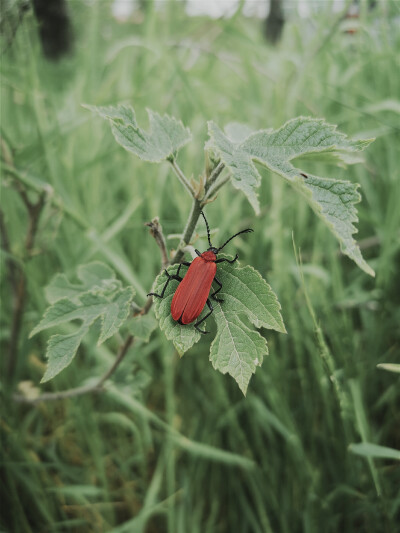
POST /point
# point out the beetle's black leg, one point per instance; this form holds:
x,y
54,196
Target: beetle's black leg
x,y
197,252
175,276
169,277
178,278
211,308
227,260
217,291
179,268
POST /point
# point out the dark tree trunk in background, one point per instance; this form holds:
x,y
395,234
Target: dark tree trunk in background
x,y
55,28
274,22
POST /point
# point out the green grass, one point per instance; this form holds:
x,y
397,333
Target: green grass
x,y
115,462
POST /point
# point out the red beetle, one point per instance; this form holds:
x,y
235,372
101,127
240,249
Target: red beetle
x,y
192,293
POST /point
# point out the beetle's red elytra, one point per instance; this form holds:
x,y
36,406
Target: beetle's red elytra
x,y
192,293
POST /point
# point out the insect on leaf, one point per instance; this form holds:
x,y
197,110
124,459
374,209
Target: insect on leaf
x,y
183,337
237,348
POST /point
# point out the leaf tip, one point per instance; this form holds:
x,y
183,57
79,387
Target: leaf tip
x,y
365,267
91,108
46,377
364,143
243,387
33,332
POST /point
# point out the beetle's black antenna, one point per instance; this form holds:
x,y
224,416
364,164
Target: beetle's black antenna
x,y
208,229
248,230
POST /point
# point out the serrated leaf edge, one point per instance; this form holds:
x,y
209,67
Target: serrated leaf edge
x,y
252,194
301,187
103,337
150,113
253,318
136,127
243,386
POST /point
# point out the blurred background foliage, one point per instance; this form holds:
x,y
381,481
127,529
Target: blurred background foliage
x,y
148,454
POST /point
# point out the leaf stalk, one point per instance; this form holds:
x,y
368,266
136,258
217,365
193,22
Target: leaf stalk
x,y
182,178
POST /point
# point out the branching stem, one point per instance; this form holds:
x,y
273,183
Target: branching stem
x,y
214,175
182,178
86,389
16,273
189,229
42,187
156,230
34,212
10,263
212,191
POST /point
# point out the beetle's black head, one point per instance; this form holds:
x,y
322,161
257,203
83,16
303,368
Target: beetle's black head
x,y
216,250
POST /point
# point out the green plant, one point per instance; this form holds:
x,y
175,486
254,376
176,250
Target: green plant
x,y
249,301
170,445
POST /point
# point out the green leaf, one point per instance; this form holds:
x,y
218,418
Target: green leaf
x,y
115,313
165,138
142,326
93,276
237,348
245,177
333,200
123,113
95,298
244,291
368,449
61,349
390,367
96,274
237,132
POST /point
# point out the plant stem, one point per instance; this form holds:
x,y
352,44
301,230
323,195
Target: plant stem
x,y
79,391
214,175
157,232
10,263
121,354
189,229
212,187
182,178
34,211
212,191
43,187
